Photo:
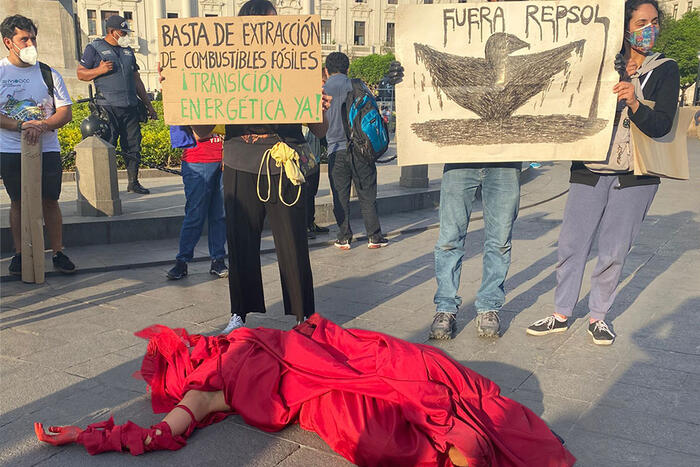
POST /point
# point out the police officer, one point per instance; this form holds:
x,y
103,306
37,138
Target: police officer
x,y
111,63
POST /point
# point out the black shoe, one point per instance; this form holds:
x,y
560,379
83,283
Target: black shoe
x,y
218,268
444,325
310,234
136,187
318,229
178,271
63,264
16,265
547,325
377,241
601,333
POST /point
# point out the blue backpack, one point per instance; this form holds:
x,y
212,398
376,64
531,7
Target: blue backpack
x,y
366,130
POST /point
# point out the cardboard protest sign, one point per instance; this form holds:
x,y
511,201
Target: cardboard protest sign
x,y
507,81
241,70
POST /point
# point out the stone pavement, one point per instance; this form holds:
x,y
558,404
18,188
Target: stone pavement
x,y
67,349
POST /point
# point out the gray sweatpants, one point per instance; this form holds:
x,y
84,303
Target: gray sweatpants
x,y
616,214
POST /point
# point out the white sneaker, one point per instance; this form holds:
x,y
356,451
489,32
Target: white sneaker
x,y
234,323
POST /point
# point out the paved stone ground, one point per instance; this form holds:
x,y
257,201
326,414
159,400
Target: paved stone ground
x,y
67,348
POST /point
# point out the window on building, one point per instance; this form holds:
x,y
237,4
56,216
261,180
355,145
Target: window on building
x,y
78,36
104,14
690,6
393,2
326,36
210,15
360,1
675,10
359,33
129,17
171,15
390,32
92,22
428,2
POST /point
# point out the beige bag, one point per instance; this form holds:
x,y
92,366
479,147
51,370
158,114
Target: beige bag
x,y
666,156
620,158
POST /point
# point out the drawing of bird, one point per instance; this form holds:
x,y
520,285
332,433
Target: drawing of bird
x,y
496,86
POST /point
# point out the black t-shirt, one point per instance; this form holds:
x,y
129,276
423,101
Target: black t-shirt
x,y
244,145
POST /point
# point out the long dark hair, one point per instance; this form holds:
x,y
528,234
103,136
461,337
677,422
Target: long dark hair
x,y
257,8
632,5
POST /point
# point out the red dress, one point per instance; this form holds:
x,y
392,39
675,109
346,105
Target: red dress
x,y
375,399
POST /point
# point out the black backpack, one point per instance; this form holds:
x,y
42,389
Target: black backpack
x,y
48,78
366,130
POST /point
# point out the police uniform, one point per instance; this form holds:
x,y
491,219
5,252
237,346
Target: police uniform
x,y
116,94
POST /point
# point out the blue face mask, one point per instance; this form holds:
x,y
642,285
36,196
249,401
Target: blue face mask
x,y
644,38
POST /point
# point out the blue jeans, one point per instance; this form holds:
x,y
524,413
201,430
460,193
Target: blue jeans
x,y
204,194
500,192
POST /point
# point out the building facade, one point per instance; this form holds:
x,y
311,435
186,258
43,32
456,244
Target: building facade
x,y
355,27
677,8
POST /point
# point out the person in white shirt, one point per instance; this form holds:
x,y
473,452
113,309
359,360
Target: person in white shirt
x,y
34,103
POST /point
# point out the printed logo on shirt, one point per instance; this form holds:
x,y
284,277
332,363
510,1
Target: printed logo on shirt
x,y
24,110
14,82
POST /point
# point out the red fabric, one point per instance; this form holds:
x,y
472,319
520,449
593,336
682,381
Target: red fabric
x,y
374,399
205,151
106,436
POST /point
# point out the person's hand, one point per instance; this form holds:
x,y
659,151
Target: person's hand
x,y
395,73
32,130
57,435
625,90
326,101
152,114
105,66
161,78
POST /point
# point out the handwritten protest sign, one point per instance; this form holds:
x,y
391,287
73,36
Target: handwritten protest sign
x,y
513,81
240,70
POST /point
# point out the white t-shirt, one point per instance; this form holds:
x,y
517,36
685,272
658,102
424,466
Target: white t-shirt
x,y
25,96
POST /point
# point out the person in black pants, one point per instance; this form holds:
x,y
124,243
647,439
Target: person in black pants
x,y
111,63
343,168
244,146
311,188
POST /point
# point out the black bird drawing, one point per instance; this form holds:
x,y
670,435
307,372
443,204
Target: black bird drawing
x,y
496,86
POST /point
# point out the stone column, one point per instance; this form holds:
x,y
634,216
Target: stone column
x,y
96,177
187,11
414,176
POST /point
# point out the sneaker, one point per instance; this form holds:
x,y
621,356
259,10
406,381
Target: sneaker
x,y
444,325
601,333
377,242
218,268
178,271
488,324
16,265
342,244
318,229
234,323
547,325
63,264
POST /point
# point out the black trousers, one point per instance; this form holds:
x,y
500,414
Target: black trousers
x,y
126,128
245,216
311,188
342,171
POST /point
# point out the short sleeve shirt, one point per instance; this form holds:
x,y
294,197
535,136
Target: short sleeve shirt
x,y
25,96
91,59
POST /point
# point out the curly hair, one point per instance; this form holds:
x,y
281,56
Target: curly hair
x,y
257,8
337,62
632,5
7,28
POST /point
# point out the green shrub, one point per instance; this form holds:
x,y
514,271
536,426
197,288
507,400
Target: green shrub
x,y
155,142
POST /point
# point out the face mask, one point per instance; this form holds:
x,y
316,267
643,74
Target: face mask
x,y
123,41
643,39
28,55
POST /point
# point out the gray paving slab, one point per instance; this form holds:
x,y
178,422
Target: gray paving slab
x,y
67,348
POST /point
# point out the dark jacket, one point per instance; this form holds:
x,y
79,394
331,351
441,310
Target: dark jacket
x,y
662,88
